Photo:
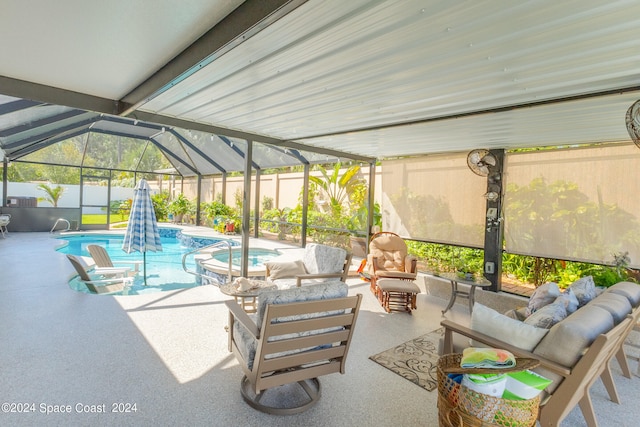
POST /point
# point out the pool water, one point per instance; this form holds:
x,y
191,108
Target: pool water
x,y
164,269
257,256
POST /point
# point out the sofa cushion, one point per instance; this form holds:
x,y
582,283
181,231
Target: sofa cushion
x,y
282,269
627,289
322,259
511,331
517,313
617,305
569,299
584,289
548,315
543,295
567,340
320,291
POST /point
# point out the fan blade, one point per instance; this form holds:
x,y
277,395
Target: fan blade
x,y
489,160
474,157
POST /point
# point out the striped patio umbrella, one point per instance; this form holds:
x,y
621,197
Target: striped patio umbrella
x,y
142,230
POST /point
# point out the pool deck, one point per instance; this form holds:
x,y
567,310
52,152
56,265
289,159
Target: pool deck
x,y
166,353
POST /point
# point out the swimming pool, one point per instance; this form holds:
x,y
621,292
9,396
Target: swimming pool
x,y
216,266
164,269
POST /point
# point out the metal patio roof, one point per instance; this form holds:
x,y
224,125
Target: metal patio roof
x,y
367,78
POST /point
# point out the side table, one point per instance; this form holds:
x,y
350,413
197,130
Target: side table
x,y
472,282
247,299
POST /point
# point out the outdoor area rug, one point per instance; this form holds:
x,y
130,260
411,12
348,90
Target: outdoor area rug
x,y
415,360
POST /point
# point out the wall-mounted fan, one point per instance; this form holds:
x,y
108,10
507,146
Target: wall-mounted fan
x,y
633,122
480,161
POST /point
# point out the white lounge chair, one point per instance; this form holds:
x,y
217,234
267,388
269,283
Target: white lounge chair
x,y
103,260
4,221
101,284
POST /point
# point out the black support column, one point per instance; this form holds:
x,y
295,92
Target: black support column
x,y
493,234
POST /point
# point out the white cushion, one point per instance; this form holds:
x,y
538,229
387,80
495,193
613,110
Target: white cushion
x,y
278,270
543,295
569,299
548,315
511,331
584,289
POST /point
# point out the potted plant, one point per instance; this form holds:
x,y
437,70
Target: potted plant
x,y
179,207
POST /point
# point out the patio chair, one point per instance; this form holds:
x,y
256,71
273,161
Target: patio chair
x,y
103,260
101,284
319,262
389,259
4,221
295,336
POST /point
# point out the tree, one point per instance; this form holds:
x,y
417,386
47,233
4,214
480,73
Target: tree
x,y
339,189
53,194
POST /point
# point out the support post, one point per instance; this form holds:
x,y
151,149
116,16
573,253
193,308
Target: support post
x,y
305,206
198,197
256,209
246,210
493,234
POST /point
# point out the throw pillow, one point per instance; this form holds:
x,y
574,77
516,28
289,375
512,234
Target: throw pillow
x,y
281,269
548,315
584,289
568,298
543,295
511,331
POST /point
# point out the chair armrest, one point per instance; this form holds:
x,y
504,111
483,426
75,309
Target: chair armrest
x,y
135,263
237,313
103,282
301,277
112,270
371,261
410,264
451,327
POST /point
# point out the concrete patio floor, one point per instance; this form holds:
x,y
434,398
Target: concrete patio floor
x,y
162,359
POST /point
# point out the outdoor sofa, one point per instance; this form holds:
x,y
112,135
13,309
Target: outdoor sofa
x,y
574,352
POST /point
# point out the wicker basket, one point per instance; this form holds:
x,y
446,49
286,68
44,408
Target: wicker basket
x,y
459,406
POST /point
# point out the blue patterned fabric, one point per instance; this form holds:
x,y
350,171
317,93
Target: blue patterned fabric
x,y
322,259
142,231
246,343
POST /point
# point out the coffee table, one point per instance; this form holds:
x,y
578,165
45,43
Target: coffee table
x,y
472,282
247,299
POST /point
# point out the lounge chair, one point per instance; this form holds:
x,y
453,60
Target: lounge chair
x,y
103,260
297,335
101,284
4,221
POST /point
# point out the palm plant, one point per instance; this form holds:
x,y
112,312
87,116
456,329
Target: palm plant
x,y
338,188
53,194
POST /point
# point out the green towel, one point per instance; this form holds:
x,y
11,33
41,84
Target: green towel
x,y
478,357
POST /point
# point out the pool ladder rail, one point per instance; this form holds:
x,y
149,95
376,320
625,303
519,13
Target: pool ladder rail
x,y
59,221
200,250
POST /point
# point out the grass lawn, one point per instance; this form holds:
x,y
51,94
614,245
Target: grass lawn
x,y
102,218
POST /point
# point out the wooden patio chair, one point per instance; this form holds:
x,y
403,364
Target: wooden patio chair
x,y
103,260
101,284
318,263
297,335
389,259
